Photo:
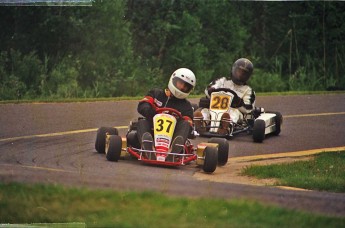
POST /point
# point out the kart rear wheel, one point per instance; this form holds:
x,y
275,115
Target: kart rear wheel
x,y
279,120
113,149
223,150
259,130
101,135
211,159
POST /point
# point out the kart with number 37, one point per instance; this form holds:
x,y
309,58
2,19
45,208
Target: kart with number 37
x,y
207,155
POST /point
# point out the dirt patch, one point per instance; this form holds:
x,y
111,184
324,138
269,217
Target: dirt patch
x,y
231,172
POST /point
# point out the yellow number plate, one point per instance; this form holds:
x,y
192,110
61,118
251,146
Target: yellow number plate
x,y
164,127
220,102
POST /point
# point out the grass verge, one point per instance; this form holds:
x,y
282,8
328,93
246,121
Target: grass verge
x,y
20,203
325,172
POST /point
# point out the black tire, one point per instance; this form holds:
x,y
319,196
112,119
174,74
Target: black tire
x,y
113,152
211,159
259,130
279,122
100,137
204,102
223,150
132,139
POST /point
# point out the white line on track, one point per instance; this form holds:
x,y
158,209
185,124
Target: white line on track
x,y
55,134
314,114
40,168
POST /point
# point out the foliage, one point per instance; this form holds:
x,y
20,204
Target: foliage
x,y
125,47
267,82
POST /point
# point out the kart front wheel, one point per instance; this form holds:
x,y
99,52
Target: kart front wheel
x,y
211,159
100,137
113,148
223,150
259,130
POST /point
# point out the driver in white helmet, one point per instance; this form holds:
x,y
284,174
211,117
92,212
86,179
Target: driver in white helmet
x,y
181,83
244,96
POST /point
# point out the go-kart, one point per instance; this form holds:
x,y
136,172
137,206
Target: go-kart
x,y
258,123
206,155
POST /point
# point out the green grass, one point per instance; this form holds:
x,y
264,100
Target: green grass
x,y
20,203
325,172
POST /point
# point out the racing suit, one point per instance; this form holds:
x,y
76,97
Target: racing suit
x,y
243,101
158,98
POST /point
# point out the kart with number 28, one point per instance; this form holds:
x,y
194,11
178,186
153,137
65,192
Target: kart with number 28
x,y
258,123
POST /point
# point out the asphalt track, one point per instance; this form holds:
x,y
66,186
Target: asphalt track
x,y
54,143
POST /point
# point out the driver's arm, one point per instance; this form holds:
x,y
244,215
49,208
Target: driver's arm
x,y
189,120
146,106
187,113
248,101
215,84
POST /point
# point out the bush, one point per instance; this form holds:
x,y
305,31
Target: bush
x,y
20,75
62,82
267,82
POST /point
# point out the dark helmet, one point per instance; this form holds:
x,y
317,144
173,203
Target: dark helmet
x,y
241,71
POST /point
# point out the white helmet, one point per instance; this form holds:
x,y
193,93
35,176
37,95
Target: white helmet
x,y
181,83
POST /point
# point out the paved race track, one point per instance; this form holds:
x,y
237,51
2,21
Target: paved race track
x,y
54,143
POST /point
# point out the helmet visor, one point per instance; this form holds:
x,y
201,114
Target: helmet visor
x,y
240,75
181,85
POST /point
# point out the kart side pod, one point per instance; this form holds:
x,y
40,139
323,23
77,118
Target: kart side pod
x,y
201,152
266,123
269,119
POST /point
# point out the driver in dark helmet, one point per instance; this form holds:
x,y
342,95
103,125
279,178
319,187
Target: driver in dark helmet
x,y
244,95
180,85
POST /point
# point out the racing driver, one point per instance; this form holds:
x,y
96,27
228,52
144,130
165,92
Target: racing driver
x,y
244,95
180,85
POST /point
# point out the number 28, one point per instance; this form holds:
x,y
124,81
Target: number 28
x,y
220,102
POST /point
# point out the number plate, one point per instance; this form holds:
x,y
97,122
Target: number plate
x,y
164,127
220,101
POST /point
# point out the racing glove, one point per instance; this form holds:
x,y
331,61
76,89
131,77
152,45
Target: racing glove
x,y
237,102
146,110
257,111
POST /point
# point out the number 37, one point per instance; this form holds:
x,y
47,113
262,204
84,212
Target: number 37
x,y
161,123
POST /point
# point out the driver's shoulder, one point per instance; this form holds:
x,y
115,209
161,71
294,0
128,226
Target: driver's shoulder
x,y
157,91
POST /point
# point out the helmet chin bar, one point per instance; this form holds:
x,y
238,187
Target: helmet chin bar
x,y
176,92
237,82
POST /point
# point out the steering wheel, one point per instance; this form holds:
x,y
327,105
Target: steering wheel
x,y
170,111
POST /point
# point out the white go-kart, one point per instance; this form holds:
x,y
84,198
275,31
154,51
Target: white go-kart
x,y
259,122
